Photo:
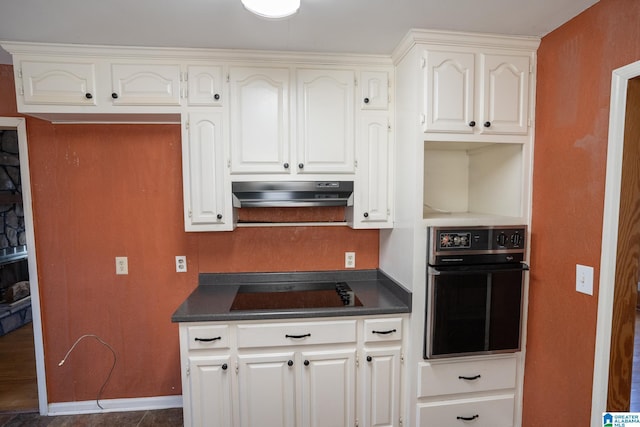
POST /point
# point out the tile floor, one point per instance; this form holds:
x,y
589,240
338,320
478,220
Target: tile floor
x,y
158,418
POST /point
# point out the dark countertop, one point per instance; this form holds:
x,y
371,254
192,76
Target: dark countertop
x,y
212,299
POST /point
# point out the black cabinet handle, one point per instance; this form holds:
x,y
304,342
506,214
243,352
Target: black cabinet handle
x,y
469,378
468,418
208,339
114,95
216,96
290,363
472,124
366,214
369,358
286,165
88,95
390,331
219,216
366,100
306,363
301,165
297,336
224,366
487,124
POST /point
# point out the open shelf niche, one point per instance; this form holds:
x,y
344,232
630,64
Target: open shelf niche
x,y
474,183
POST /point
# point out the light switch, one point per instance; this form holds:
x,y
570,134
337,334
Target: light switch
x,y
584,279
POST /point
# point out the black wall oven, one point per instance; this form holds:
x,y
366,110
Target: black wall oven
x,y
475,278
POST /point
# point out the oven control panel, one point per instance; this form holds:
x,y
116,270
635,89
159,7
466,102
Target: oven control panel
x,y
475,241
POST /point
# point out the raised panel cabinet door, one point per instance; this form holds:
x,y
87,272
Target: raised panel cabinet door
x,y
449,92
58,83
204,85
259,104
381,387
328,388
373,209
209,402
326,115
505,94
207,198
266,390
374,90
145,84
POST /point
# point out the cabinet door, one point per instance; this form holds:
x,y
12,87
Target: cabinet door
x,y
259,120
381,387
505,94
204,85
57,83
326,139
209,392
374,90
449,92
372,209
328,388
146,84
207,194
267,390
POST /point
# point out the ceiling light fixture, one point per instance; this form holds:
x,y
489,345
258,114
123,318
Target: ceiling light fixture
x,y
272,9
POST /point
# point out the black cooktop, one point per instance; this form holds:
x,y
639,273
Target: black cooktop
x,y
296,295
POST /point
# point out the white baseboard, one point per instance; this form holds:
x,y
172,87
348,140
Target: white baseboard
x,y
115,405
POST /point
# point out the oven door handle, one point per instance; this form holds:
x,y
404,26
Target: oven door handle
x,y
481,268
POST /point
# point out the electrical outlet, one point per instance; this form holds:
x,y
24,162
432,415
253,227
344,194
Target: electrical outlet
x,y
584,279
181,263
349,260
122,265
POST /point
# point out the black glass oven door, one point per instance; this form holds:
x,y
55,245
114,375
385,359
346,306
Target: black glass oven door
x,y
473,312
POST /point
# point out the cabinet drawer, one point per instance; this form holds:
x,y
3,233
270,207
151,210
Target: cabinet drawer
x,y
208,337
495,411
463,376
376,330
307,333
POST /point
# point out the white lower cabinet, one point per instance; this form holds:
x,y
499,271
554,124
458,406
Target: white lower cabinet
x,y
461,392
290,374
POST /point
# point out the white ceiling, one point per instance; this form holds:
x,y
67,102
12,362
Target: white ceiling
x,y
350,26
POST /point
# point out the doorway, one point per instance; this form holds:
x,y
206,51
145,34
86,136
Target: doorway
x,y
33,333
619,261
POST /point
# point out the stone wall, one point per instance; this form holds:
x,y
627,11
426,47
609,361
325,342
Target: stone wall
x,y
12,230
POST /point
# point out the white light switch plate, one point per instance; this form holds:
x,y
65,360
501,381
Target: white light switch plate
x,y
584,279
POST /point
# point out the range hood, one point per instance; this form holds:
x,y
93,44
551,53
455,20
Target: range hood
x,y
291,193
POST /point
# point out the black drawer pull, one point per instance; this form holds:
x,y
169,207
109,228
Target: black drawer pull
x,y
290,363
468,418
208,339
469,378
390,331
224,366
297,336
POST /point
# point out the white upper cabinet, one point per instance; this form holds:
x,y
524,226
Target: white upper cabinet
x,y
259,120
374,90
505,86
325,119
474,93
58,83
207,192
204,85
145,84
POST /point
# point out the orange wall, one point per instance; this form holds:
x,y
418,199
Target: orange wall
x,y
572,114
101,191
